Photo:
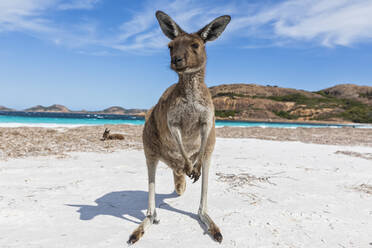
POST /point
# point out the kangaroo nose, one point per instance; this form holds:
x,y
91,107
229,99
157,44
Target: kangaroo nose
x,y
176,59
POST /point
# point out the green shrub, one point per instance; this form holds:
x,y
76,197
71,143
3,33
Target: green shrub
x,y
367,95
354,110
285,115
301,99
359,114
226,113
232,95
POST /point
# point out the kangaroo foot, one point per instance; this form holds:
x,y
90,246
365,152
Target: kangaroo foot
x,y
136,235
216,233
140,230
213,229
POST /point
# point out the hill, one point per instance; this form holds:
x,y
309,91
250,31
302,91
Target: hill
x,y
52,108
57,108
122,111
2,108
349,103
350,91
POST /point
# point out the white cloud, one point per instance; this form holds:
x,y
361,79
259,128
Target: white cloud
x,y
328,22
142,31
323,22
30,17
24,15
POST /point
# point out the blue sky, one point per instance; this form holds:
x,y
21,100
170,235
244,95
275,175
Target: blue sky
x,y
92,54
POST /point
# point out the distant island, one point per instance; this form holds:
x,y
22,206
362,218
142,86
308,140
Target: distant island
x,y
252,102
57,108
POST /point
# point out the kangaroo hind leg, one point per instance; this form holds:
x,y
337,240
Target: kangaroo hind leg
x,y
151,217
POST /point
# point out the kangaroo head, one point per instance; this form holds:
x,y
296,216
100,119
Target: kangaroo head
x,y
187,51
105,134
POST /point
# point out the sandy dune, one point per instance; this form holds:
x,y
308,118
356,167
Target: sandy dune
x,y
262,194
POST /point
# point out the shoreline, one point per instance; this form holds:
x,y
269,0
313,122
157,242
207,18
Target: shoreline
x,y
306,125
43,125
219,125
250,120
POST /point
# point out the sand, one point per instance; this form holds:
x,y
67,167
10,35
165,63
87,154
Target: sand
x,y
64,187
262,193
42,141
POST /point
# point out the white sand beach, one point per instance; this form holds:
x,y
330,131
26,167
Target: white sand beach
x,y
262,193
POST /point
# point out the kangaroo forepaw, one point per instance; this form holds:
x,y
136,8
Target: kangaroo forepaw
x,y
195,174
188,168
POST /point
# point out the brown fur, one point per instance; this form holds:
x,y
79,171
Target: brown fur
x,y
107,136
136,235
180,129
157,139
215,232
179,183
186,96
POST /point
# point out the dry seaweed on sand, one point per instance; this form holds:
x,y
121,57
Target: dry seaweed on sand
x,y
356,154
365,188
37,141
242,179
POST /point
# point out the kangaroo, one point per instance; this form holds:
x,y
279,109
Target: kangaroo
x,y
180,129
106,135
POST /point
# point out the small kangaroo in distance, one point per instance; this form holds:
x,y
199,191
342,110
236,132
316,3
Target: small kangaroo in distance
x,y
107,136
180,129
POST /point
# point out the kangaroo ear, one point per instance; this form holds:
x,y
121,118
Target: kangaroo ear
x,y
168,26
214,29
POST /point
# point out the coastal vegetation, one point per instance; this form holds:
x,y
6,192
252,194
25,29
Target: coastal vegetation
x,y
351,110
350,103
226,113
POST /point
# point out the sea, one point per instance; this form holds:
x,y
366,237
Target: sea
x,y
19,118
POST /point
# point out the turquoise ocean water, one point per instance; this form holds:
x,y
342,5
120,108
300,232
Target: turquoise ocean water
x,y
92,119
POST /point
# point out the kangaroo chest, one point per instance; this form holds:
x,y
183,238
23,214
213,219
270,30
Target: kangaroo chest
x,y
189,113
189,107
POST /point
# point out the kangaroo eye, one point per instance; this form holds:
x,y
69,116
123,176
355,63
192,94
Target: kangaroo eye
x,y
195,45
170,47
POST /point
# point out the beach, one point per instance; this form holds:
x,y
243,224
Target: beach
x,y
269,187
59,140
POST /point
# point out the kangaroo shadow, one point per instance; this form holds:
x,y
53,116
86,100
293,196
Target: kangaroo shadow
x,y
127,203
